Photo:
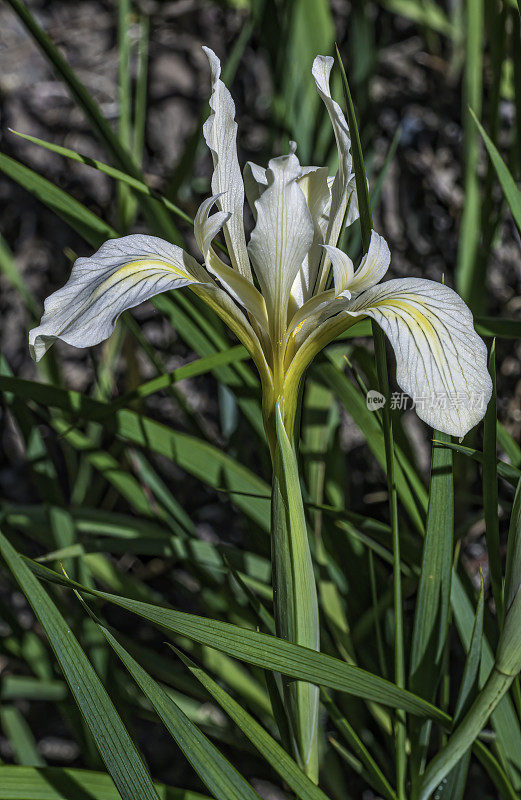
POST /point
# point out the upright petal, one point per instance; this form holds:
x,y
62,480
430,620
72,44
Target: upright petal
x,y
120,275
207,227
372,268
255,182
314,185
343,192
441,363
281,238
220,133
343,270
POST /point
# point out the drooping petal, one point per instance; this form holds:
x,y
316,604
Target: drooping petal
x,y
282,236
120,275
206,228
343,192
441,362
220,133
314,185
343,270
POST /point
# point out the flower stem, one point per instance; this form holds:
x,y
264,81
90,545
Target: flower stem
x,y
294,594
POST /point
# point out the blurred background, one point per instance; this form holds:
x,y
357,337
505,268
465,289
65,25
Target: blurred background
x,y
414,67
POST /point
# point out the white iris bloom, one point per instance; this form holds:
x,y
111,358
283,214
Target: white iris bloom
x,y
274,291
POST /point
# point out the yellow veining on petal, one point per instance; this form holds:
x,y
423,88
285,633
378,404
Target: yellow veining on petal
x,y
134,270
420,317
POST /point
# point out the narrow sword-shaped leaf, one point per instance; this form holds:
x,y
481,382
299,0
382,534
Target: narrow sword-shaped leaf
x,y
268,747
454,785
504,719
92,228
470,289
375,775
431,619
19,735
512,193
295,593
63,783
112,739
197,457
118,175
507,471
221,778
263,650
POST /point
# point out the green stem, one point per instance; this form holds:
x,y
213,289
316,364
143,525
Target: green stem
x,y
467,284
294,594
464,735
399,659
366,225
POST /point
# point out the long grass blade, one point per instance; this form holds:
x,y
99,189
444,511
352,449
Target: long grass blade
x,y
366,225
265,651
268,747
157,217
471,289
431,619
19,735
112,739
117,174
88,225
63,783
220,777
512,193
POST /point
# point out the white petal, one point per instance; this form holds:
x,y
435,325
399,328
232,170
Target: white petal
x,y
255,181
373,266
206,228
120,275
220,133
282,236
441,362
343,270
309,315
314,184
344,189
315,314
231,314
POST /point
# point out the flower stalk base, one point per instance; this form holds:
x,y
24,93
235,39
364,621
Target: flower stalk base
x,y
294,596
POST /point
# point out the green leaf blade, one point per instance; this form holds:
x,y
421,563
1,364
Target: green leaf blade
x,y
112,739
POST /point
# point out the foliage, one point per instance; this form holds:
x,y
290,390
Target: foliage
x,y
408,644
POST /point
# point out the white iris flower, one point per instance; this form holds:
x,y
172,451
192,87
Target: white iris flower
x,y
274,293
